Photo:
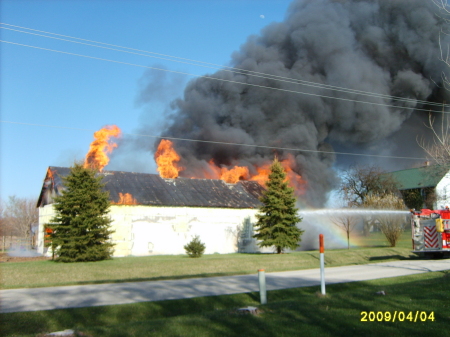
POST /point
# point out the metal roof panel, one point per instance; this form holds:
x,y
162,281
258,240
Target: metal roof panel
x,y
151,189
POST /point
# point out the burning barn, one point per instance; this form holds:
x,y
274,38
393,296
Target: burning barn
x,y
153,215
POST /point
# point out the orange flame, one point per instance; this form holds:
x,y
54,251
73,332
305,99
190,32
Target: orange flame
x,y
50,177
236,173
50,174
97,157
295,180
263,174
232,176
125,199
166,158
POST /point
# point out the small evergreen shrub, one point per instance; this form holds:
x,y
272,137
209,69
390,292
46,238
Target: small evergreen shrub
x,y
195,248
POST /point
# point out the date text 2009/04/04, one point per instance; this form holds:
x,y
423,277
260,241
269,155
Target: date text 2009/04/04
x,y
400,316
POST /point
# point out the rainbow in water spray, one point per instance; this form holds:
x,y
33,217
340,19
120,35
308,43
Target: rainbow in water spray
x,y
319,221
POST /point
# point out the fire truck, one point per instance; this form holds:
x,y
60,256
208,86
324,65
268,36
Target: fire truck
x,y
430,231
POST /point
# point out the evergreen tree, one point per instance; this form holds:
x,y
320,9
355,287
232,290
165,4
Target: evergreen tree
x,y
278,217
80,230
195,248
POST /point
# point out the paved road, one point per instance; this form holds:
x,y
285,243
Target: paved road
x,y
35,299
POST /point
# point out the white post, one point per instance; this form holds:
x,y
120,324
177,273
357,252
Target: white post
x,y
262,286
322,265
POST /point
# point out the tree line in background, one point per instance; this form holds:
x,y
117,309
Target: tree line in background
x,y
19,219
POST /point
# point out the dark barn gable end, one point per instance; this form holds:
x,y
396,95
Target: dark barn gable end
x,y
152,215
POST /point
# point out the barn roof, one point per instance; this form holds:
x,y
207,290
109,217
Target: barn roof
x,y
151,189
420,177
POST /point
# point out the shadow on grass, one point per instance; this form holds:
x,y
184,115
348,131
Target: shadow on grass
x,y
315,256
162,278
135,279
373,246
394,257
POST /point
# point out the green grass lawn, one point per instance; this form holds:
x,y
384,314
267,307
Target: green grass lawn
x,y
377,239
128,269
291,312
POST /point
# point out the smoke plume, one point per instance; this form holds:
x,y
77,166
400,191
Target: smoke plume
x,y
384,47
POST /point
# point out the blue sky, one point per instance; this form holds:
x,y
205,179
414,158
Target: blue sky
x,y
49,88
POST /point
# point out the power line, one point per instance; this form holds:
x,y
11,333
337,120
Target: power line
x,y
223,68
224,80
222,143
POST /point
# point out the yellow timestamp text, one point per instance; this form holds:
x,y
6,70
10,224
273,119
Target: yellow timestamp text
x,y
400,316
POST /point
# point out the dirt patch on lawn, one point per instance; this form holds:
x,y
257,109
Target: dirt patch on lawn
x,y
4,257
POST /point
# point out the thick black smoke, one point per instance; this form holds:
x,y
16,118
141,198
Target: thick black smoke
x,y
385,47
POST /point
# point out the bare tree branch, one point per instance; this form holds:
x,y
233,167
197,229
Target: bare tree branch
x,y
347,223
392,225
439,148
358,182
20,214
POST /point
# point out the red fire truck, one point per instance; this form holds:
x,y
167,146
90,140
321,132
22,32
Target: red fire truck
x,y
431,232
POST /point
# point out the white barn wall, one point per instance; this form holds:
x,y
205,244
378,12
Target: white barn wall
x,y
151,230
155,230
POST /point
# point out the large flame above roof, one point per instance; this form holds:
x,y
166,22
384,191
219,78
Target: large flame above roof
x,y
167,158
97,156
